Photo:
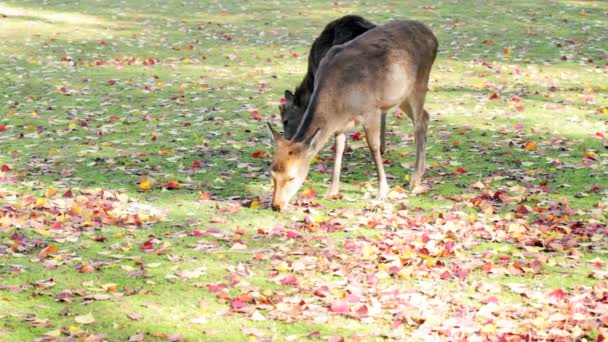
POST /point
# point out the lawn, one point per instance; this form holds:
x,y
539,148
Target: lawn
x,y
135,188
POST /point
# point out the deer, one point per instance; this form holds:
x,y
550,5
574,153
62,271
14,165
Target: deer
x,y
385,67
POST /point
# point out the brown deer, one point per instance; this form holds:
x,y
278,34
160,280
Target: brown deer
x,y
356,82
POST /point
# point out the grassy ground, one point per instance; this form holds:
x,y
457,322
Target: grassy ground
x,y
155,102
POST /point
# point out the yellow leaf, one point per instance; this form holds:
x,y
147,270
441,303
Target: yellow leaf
x,y
144,183
72,125
159,84
41,203
255,204
489,329
283,266
51,192
530,146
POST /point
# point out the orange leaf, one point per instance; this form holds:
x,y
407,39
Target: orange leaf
x,y
172,184
48,250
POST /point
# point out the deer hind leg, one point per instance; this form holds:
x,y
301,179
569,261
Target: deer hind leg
x,y
383,134
372,126
414,108
339,144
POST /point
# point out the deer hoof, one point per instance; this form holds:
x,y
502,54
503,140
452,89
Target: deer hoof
x,y
420,189
333,195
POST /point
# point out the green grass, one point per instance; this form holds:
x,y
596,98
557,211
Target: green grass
x,y
82,110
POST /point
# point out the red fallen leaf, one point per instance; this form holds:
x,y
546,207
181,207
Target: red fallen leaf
x,y
217,219
292,235
56,225
446,275
258,154
356,135
489,300
172,184
362,310
205,196
289,279
520,108
86,269
449,246
48,250
137,337
335,339
308,193
146,245
217,287
100,239
600,135
197,232
2,127
515,98
460,170
5,168
321,291
339,306
487,267
425,238
494,96
135,316
255,115
68,194
523,209
196,163
559,294
294,54
595,188
237,304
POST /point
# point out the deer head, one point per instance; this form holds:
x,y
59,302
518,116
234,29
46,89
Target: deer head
x,y
290,165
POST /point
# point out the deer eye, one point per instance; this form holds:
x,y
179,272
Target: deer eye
x,y
285,122
291,179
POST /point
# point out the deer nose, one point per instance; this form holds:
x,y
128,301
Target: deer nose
x,y
276,207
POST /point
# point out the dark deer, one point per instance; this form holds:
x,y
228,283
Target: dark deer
x,y
337,32
356,82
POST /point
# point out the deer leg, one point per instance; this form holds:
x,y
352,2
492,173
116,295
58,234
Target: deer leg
x,y
413,107
339,144
383,134
372,131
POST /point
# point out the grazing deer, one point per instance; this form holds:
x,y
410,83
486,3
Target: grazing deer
x,y
356,82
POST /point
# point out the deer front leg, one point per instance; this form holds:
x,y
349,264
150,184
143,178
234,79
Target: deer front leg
x,y
420,128
383,134
372,131
339,144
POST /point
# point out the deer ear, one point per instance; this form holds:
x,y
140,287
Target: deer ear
x,y
276,136
288,96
